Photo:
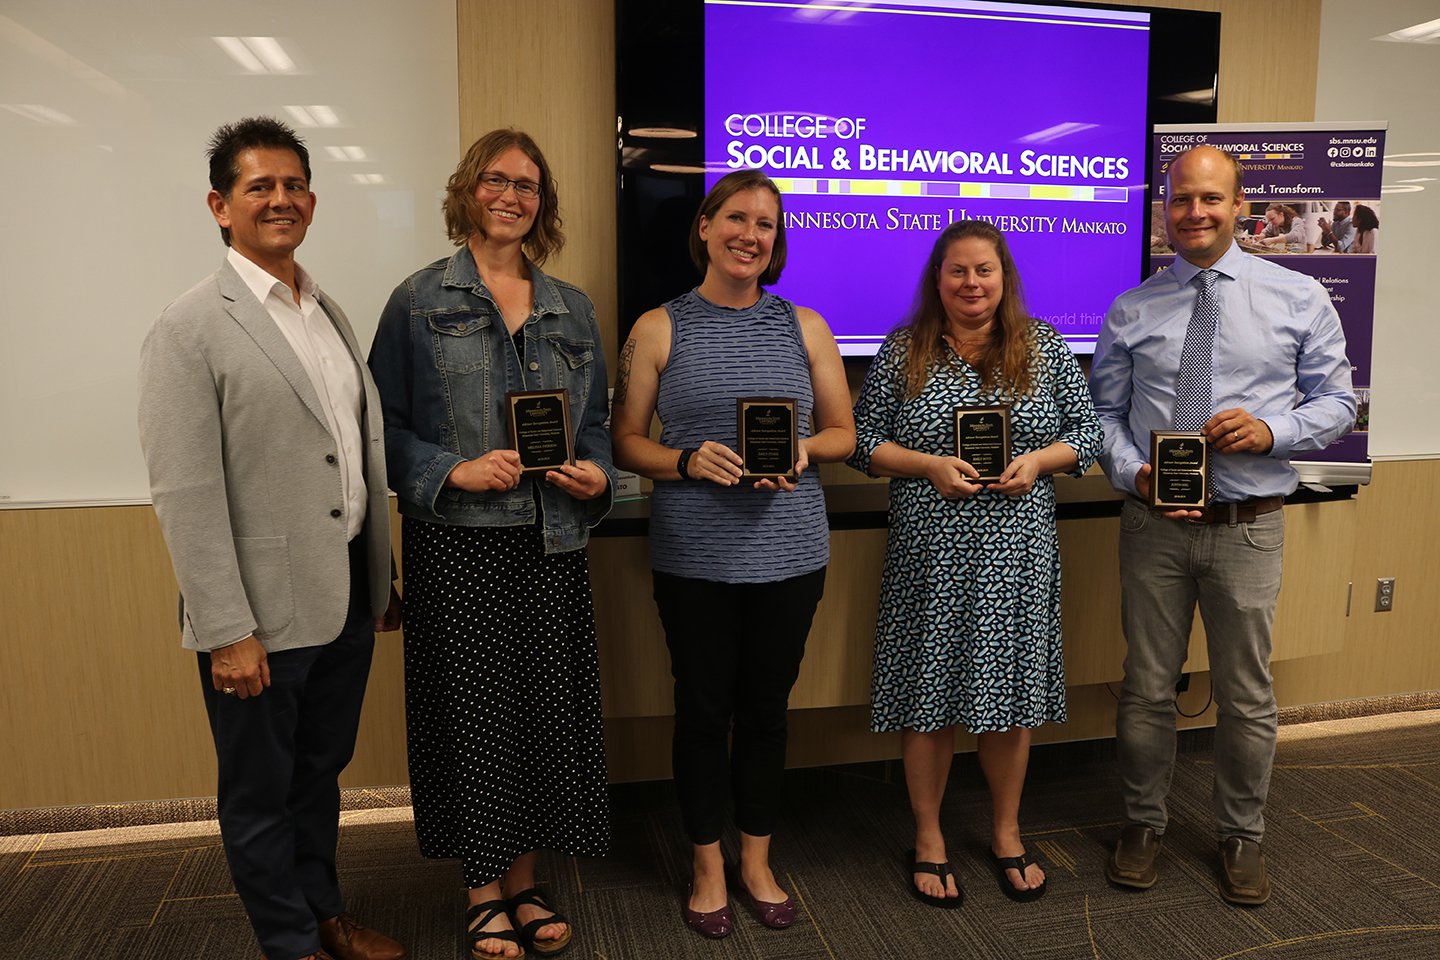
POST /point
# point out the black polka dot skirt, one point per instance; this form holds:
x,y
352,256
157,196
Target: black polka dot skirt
x,y
502,697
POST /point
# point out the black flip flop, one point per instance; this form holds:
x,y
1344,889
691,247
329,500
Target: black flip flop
x,y
1009,889
941,870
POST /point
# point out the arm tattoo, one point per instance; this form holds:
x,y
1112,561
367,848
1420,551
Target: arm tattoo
x,y
622,375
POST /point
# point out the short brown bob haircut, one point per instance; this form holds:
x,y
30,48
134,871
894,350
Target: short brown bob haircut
x,y
725,188
462,210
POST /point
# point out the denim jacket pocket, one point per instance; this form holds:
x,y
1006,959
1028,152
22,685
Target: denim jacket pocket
x,y
460,341
575,353
573,369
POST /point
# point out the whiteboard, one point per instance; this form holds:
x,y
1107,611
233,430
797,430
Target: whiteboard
x,y
105,112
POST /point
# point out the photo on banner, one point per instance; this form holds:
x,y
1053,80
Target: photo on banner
x,y
1312,203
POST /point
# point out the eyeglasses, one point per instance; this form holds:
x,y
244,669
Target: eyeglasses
x,y
495,183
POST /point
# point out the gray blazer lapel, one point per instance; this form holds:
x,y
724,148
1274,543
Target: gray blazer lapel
x,y
257,322
342,326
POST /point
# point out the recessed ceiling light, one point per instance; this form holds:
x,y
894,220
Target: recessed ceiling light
x,y
271,54
257,54
1203,95
316,115
1427,32
43,115
1394,159
240,53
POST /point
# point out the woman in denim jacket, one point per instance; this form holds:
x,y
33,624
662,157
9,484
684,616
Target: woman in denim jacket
x,y
502,684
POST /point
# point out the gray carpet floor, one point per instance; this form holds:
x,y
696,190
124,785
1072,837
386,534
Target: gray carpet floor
x,y
1352,844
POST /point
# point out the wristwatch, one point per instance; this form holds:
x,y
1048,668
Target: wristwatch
x,y
682,466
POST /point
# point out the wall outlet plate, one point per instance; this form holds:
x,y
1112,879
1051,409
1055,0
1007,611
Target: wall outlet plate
x,y
1384,594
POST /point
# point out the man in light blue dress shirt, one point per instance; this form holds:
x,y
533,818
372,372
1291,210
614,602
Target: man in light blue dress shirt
x,y
1340,234
1281,386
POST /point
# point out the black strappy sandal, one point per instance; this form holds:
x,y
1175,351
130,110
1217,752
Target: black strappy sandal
x,y
941,870
476,918
535,898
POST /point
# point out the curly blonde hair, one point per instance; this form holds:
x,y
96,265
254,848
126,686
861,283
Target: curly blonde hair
x,y
462,211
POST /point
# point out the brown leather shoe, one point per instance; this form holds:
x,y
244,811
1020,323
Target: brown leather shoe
x,y
1133,862
348,940
1242,872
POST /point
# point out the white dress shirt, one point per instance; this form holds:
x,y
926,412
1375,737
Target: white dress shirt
x,y
330,366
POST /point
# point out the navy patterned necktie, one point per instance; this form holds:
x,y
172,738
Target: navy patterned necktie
x,y
1194,388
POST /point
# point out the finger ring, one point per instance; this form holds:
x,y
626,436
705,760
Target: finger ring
x,y
228,691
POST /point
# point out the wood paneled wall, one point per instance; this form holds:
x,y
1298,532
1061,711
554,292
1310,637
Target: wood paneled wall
x,y
98,703
548,67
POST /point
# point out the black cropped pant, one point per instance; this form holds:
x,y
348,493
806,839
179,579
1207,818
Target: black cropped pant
x,y
735,651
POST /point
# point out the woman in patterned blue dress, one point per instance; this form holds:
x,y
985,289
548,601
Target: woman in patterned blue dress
x,y
968,631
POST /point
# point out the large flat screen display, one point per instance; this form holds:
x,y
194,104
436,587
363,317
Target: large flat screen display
x,y
884,120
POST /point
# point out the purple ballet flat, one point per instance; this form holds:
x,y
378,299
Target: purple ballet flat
x,y
715,924
776,916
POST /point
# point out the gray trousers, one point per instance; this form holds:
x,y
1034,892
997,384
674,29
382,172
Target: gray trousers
x,y
1167,567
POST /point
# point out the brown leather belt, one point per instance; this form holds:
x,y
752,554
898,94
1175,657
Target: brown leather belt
x,y
1244,511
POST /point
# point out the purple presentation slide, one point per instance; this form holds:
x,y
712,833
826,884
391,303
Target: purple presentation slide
x,y
885,121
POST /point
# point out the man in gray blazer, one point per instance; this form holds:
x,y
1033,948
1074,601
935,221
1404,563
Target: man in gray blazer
x,y
262,433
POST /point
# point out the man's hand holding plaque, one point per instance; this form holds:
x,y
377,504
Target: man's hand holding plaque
x,y
1179,476
539,422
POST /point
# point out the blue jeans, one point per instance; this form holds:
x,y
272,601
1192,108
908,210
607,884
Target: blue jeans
x,y
1167,567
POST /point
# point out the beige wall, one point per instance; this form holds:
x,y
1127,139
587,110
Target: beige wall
x,y
99,703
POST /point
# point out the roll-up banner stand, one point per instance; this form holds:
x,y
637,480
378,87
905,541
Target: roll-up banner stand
x,y
1306,168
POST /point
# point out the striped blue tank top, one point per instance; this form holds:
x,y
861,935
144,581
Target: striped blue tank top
x,y
733,534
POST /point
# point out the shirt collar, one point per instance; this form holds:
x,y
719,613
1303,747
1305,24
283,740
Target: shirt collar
x,y
1229,265
262,284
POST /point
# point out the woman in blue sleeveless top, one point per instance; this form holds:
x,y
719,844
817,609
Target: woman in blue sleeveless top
x,y
739,567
